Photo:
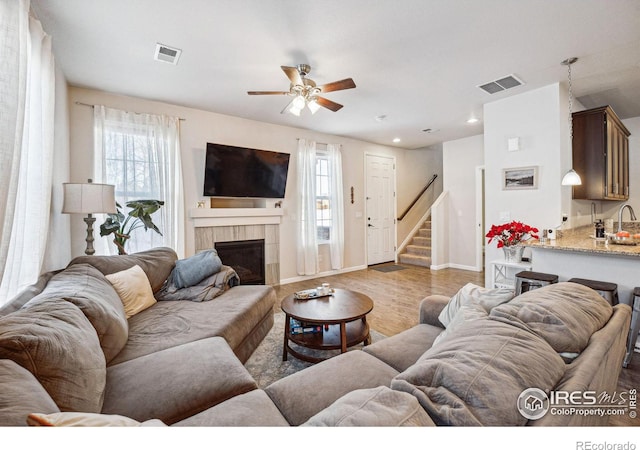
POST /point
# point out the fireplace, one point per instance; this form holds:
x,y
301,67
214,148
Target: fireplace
x,y
245,257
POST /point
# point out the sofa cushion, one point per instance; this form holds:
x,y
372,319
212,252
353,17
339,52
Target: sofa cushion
x,y
21,394
563,314
76,419
473,294
413,342
303,394
86,287
176,383
157,264
252,409
232,315
134,290
474,376
27,293
470,311
56,342
374,407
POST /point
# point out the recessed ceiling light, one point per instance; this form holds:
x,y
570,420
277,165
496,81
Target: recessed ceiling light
x,y
472,120
396,140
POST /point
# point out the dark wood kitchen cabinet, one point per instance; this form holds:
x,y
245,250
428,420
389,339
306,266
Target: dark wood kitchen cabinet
x,y
600,155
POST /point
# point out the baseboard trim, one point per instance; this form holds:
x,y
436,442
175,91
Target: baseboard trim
x,y
464,267
454,266
327,273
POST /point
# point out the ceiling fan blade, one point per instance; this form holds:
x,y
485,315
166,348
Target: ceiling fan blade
x,y
347,83
293,74
268,92
333,106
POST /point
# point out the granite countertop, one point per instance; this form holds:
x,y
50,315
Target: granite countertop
x,y
581,240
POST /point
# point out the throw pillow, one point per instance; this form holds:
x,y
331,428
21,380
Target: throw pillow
x,y
474,378
471,293
563,314
132,285
191,271
79,419
54,341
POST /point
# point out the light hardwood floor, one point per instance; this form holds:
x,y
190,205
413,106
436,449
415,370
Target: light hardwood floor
x,y
396,296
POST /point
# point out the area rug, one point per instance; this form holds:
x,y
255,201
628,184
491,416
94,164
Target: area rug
x,y
266,365
389,268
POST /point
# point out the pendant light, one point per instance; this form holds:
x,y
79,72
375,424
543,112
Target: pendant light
x,y
571,178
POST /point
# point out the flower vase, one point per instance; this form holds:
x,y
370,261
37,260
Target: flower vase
x,y
513,253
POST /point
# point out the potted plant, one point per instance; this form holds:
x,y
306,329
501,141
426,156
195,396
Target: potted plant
x,y
122,226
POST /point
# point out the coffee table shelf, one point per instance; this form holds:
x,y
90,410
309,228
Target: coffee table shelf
x,y
330,339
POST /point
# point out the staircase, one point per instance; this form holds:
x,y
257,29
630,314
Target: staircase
x,y
418,252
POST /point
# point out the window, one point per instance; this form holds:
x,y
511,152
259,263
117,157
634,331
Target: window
x,y
323,198
140,155
131,165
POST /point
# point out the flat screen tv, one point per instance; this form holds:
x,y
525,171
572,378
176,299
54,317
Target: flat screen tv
x,y
244,172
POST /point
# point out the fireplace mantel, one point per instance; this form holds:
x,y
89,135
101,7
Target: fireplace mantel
x,y
219,217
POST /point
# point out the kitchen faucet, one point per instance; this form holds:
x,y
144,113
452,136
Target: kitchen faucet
x,y
633,215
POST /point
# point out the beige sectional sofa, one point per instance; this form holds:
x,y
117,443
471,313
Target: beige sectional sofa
x,y
182,362
65,345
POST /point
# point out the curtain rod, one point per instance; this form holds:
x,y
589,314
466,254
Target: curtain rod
x,y
317,143
93,106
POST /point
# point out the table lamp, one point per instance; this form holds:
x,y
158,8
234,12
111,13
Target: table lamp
x,y
89,198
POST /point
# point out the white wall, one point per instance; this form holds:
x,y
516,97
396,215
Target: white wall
x,y
200,127
536,118
460,160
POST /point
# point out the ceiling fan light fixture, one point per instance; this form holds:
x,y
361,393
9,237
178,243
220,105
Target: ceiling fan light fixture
x,y
298,102
313,106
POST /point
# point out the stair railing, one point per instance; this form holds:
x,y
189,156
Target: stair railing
x,y
415,200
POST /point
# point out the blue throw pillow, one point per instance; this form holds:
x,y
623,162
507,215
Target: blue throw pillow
x,y
190,271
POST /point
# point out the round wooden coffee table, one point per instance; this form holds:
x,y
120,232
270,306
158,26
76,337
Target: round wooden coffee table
x,y
342,315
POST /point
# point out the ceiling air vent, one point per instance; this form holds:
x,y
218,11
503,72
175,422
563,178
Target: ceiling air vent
x,y
502,84
167,54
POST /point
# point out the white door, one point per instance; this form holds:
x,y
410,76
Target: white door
x,y
380,209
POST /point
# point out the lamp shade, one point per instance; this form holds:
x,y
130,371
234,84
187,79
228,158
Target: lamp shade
x,y
88,198
571,178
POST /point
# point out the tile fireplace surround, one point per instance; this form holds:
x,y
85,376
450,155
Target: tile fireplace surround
x,y
213,225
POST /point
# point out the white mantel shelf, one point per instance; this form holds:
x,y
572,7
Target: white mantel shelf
x,y
220,217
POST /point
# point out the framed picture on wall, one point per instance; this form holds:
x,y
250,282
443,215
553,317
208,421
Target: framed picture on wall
x,y
520,178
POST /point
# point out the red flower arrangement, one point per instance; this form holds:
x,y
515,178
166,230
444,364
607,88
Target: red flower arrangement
x,y
513,233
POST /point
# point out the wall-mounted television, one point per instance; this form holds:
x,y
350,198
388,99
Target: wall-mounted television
x,y
244,172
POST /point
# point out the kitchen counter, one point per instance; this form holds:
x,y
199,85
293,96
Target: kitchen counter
x,y
581,240
574,254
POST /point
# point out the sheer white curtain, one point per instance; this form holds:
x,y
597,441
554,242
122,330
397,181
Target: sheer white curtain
x,y
307,258
336,237
140,155
26,160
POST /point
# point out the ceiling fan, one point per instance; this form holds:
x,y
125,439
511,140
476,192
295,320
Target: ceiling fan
x,y
305,92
